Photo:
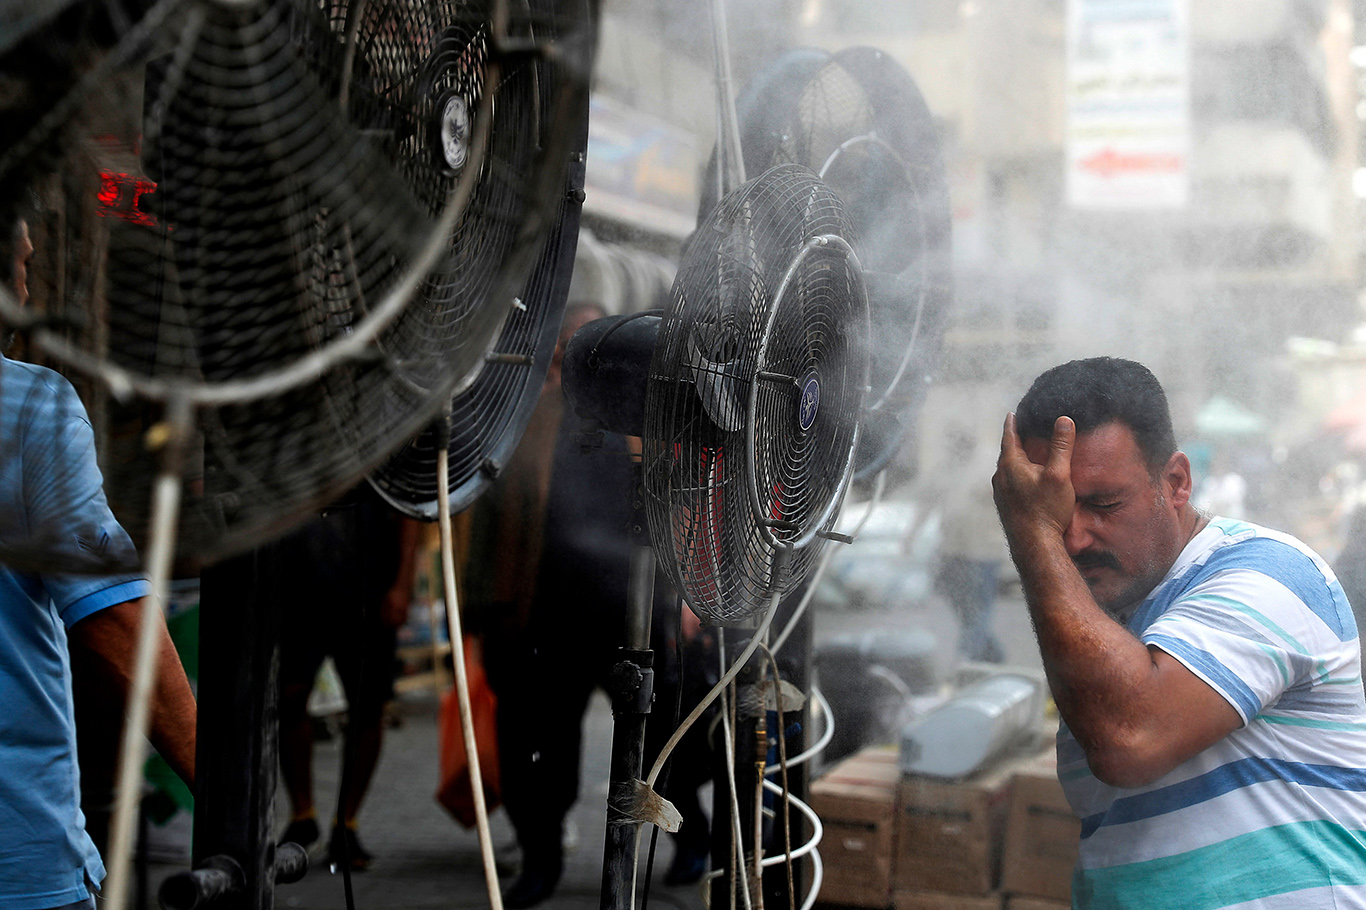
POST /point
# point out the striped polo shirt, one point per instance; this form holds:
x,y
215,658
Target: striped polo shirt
x,y
1274,814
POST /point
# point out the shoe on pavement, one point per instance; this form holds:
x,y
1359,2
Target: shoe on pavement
x,y
301,831
345,848
507,859
536,883
569,836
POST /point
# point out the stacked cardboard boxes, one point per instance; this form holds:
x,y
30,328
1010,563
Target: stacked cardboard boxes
x,y
856,802
1042,834
949,833
1002,840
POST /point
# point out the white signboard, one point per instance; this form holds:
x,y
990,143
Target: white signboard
x,y
1128,104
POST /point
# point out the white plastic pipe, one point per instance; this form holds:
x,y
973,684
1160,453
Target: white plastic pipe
x,y
462,684
759,635
137,714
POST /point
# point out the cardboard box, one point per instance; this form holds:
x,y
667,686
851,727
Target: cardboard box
x,y
856,802
1023,902
949,832
1042,834
940,900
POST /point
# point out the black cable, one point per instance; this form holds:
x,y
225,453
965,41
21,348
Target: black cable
x,y
668,762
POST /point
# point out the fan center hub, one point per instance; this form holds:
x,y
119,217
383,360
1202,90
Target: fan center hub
x,y
455,132
809,402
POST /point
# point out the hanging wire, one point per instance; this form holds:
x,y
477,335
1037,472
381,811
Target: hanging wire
x,y
462,685
826,735
165,509
716,690
806,849
818,830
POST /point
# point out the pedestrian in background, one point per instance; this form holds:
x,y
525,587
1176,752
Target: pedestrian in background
x,y
346,583
972,548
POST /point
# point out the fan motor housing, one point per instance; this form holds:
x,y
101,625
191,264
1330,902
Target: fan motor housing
x,y
606,367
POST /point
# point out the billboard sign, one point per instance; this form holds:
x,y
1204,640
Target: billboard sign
x,y
1128,104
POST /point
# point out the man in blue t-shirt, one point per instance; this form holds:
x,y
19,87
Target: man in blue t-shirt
x,y
53,513
1207,671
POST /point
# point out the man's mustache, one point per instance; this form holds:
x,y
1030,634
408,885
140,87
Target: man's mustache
x,y
1098,559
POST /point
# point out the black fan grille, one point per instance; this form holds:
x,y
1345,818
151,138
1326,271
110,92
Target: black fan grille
x,y
724,494
487,419
300,166
859,121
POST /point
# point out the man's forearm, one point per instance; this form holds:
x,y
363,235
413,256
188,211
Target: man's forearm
x,y
1098,671
106,643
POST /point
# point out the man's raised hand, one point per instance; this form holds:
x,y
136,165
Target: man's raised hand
x,y
1030,495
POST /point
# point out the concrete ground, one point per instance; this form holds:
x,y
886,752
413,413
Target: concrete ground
x,y
424,859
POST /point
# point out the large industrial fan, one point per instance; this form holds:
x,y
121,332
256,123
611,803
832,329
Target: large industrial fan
x,y
486,418
280,235
747,396
858,120
755,395
345,203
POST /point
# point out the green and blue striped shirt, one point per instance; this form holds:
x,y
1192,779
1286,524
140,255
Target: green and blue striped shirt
x,y
1273,816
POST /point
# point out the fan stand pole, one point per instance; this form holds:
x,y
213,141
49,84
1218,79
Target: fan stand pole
x,y
462,685
175,431
731,171
631,686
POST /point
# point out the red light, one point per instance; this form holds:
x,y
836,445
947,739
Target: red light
x,y
120,194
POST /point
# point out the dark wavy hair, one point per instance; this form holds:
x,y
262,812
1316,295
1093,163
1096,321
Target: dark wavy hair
x,y
1097,391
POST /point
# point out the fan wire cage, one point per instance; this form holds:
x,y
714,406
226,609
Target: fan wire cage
x,y
755,395
858,120
311,219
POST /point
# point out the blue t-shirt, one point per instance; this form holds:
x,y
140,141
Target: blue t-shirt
x,y
52,506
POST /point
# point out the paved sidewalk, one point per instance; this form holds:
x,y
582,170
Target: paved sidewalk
x,y
424,860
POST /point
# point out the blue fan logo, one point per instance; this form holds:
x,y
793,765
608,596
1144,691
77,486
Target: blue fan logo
x,y
810,403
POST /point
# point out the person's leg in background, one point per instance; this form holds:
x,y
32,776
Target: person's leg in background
x,y
541,703
376,550
365,660
296,754
306,633
971,587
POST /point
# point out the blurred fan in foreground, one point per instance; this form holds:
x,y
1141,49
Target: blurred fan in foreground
x,y
51,493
